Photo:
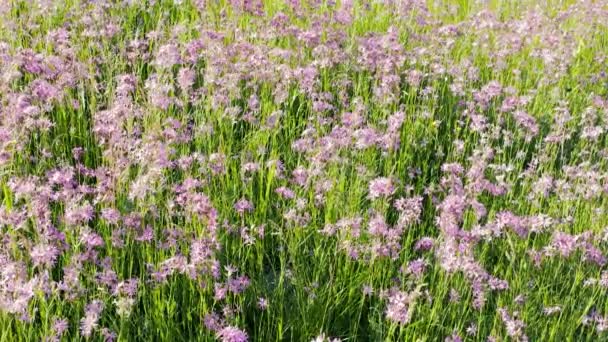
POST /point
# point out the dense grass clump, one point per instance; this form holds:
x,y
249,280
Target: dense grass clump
x,y
268,170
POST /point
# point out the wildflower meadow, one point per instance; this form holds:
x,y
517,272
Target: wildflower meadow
x,y
303,170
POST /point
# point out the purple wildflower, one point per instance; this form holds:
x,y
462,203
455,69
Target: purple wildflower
x,y
232,334
381,187
242,206
400,307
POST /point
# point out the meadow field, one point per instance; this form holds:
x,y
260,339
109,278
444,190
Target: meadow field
x,y
303,170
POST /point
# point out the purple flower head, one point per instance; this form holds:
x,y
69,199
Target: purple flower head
x,y
564,243
285,192
424,244
91,316
409,209
44,254
79,214
212,321
167,56
378,225
238,284
185,79
381,187
242,206
365,138
300,176
453,338
400,307
44,91
60,325
111,215
551,310
594,255
220,291
262,303
416,267
232,334
515,327
526,121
